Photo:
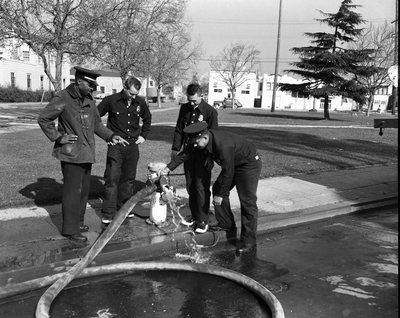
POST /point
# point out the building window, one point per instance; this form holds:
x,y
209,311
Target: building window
x,y
28,81
218,90
63,82
25,56
215,84
41,82
269,87
321,103
382,91
114,91
247,86
102,89
12,79
245,92
152,83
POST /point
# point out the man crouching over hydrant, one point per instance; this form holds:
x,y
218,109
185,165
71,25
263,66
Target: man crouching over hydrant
x,y
241,167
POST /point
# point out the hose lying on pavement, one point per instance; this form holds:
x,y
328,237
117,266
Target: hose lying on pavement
x,y
243,280
59,281
43,306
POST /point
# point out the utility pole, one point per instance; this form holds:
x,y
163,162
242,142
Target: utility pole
x,y
277,58
396,45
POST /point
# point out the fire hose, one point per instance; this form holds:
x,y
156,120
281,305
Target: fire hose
x,y
79,270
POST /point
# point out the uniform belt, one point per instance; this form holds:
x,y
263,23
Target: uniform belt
x,y
130,139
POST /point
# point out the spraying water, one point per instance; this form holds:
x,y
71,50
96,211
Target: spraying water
x,y
168,195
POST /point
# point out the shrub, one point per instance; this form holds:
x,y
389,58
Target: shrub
x,y
15,95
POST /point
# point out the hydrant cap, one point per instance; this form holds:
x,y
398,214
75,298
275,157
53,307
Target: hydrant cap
x,y
156,166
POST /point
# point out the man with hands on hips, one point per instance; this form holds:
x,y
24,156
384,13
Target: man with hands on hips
x,y
74,145
240,167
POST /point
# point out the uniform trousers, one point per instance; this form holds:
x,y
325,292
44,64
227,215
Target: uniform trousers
x,y
120,175
198,182
245,179
75,195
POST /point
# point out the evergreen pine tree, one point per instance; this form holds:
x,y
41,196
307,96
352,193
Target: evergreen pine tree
x,y
328,67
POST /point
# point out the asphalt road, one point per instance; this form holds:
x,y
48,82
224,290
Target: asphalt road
x,y
339,267
342,267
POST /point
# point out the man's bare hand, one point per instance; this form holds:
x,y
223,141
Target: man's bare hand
x,y
140,140
118,140
68,139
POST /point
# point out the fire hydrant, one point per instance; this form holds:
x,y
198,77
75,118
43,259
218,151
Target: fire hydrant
x,y
158,207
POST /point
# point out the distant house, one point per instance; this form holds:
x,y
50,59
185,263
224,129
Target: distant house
x,y
110,82
245,93
286,100
258,92
23,68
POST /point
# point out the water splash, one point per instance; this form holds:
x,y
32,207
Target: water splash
x,y
171,198
195,254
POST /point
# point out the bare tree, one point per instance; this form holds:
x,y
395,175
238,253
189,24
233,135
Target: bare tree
x,y
234,64
380,40
130,33
172,54
52,28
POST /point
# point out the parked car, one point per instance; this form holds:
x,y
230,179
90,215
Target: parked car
x,y
228,102
217,104
101,95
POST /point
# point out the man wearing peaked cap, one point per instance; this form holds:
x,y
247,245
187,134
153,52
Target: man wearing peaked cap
x,y
74,145
240,167
195,130
87,75
198,167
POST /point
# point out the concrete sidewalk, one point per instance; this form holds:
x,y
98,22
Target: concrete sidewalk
x,y
31,245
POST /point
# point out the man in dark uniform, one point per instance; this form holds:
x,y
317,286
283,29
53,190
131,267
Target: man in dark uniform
x,y
241,167
124,111
74,145
198,167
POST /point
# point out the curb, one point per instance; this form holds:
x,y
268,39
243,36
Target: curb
x,y
163,245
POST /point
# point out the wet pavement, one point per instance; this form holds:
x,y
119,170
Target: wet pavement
x,y
30,237
345,266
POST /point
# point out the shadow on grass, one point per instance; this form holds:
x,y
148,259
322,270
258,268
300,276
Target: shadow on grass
x,y
294,116
47,191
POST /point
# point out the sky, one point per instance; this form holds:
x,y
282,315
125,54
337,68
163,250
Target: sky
x,y
220,23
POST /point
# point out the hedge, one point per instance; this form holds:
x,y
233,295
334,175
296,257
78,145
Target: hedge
x,y
16,95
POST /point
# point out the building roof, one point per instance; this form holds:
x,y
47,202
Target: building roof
x,y
106,73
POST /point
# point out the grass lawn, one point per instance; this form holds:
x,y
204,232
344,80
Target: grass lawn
x,y
289,143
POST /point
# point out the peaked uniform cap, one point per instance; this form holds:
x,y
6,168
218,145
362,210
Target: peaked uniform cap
x,y
87,75
195,130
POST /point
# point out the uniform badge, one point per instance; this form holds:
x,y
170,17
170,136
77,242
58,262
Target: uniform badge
x,y
138,109
201,117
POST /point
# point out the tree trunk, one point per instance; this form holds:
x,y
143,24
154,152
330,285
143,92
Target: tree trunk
x,y
58,82
370,103
326,108
159,97
233,99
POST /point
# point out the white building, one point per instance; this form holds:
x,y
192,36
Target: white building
x,y
110,82
245,93
286,100
23,69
